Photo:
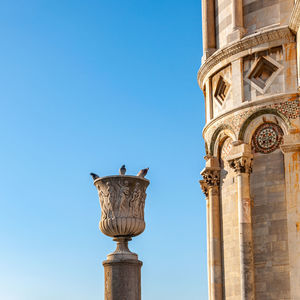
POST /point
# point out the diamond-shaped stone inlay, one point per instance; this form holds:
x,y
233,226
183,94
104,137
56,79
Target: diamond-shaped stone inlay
x,y
221,90
263,73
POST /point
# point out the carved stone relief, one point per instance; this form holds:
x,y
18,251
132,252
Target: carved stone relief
x,y
204,187
241,164
211,177
122,201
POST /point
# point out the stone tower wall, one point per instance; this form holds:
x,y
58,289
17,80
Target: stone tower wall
x,y
257,15
265,14
269,224
249,76
223,20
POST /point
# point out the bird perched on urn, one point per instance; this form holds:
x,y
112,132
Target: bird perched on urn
x,y
143,172
122,170
95,176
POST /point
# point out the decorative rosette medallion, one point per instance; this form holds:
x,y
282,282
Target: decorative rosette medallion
x,y
267,138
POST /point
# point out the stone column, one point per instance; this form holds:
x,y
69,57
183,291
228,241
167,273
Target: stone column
x,y
211,175
238,82
204,187
238,29
291,150
241,162
208,100
208,28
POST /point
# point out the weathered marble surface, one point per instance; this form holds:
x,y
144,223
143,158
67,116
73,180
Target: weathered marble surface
x,y
122,200
251,78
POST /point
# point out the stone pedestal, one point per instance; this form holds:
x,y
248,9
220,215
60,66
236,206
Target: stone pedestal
x,y
122,271
122,279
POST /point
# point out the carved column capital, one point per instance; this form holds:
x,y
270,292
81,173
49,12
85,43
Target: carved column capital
x,y
241,164
211,176
204,187
240,158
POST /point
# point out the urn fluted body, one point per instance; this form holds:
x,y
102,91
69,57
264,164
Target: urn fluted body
x,y
122,201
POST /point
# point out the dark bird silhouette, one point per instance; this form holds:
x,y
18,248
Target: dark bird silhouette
x,y
95,176
143,172
122,170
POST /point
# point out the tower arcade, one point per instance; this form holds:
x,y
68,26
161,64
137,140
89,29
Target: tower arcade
x,y
250,78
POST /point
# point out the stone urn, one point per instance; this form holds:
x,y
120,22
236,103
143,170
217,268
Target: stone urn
x,y
122,201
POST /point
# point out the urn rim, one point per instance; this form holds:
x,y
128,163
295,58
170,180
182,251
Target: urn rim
x,y
122,176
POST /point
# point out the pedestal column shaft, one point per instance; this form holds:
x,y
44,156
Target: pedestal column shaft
x,y
122,279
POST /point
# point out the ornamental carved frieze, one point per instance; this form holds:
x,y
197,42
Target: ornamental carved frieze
x,y
241,164
289,109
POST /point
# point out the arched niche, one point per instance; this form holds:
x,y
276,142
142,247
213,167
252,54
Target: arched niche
x,y
219,136
260,117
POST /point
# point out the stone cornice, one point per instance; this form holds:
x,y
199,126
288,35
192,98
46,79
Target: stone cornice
x,y
281,34
290,148
291,143
295,17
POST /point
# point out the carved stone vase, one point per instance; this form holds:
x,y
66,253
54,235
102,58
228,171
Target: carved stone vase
x,y
122,201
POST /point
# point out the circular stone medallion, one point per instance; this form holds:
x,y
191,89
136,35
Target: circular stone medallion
x,y
267,138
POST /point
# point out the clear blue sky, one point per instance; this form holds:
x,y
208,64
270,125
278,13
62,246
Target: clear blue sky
x,y
87,86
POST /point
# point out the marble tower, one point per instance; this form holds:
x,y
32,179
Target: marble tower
x,y
250,77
